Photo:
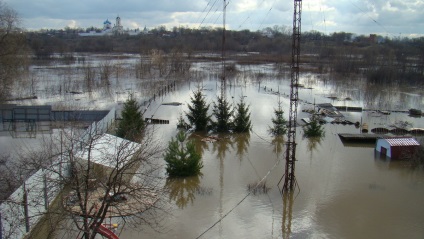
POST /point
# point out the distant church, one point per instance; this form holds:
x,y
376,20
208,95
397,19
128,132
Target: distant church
x,y
107,25
118,29
108,30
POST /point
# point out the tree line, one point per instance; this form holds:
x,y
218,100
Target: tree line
x,y
382,59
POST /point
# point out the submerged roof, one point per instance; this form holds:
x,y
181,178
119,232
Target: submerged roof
x,y
110,151
402,142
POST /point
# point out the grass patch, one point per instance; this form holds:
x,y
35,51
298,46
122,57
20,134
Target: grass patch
x,y
258,188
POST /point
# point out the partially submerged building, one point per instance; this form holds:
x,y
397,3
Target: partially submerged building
x,y
397,148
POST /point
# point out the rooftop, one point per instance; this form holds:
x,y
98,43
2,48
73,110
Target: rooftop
x,y
402,142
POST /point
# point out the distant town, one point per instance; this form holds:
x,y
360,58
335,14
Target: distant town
x,y
116,29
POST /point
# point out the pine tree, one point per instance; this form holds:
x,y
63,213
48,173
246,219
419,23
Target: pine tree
x,y
132,123
182,161
198,111
279,123
242,118
223,113
313,129
181,123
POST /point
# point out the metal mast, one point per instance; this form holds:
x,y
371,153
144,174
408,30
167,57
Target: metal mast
x,y
289,178
223,80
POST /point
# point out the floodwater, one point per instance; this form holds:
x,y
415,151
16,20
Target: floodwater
x,y
344,190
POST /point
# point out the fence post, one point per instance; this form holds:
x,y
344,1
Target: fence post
x,y
46,199
26,212
1,228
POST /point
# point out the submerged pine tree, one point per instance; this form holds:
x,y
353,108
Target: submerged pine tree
x,y
182,159
279,123
198,111
132,123
223,113
181,123
242,121
313,129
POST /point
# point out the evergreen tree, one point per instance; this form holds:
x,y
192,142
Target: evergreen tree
x,y
242,118
223,113
279,123
181,123
182,161
313,129
198,111
132,122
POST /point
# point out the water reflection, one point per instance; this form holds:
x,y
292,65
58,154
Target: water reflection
x,y
223,145
183,190
313,144
287,213
200,145
242,144
278,143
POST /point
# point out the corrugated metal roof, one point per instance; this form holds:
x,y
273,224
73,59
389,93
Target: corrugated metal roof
x,y
402,142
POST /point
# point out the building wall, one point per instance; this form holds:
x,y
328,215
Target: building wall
x,y
381,143
403,152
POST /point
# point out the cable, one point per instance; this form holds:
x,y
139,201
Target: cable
x,y
263,20
203,11
207,14
235,206
375,21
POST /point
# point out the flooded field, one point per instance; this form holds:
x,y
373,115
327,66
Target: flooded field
x,y
344,190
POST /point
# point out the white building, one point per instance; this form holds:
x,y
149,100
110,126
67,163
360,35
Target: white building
x,y
108,30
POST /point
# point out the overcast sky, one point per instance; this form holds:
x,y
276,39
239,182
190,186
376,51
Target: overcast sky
x,y
388,18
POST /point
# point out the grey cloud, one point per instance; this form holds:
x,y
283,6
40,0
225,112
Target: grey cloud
x,y
356,16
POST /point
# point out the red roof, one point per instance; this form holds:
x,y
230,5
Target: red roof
x,y
403,142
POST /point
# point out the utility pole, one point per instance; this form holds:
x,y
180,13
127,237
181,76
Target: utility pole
x,y
289,177
223,80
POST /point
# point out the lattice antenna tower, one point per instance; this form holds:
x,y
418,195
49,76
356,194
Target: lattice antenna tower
x,y
223,79
289,177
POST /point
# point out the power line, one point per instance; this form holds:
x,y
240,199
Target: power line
x,y
203,11
207,13
375,21
244,198
248,16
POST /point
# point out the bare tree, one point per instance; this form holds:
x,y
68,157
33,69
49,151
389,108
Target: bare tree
x,y
89,77
159,61
13,50
85,178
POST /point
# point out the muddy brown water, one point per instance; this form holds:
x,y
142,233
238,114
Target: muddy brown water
x,y
344,190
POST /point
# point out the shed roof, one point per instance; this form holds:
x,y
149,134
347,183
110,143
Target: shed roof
x,y
402,142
